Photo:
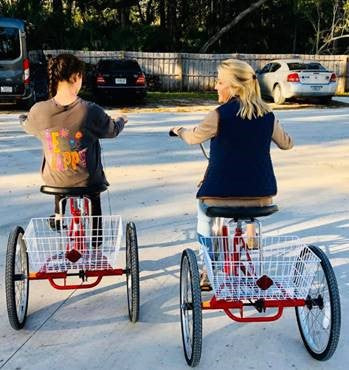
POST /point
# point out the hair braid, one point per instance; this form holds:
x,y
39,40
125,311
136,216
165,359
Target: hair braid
x,y
62,68
52,77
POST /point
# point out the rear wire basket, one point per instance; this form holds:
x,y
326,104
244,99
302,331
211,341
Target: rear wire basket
x,y
288,264
97,243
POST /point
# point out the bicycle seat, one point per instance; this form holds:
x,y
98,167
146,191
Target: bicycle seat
x,y
80,191
240,213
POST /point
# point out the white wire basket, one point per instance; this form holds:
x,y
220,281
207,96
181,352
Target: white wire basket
x,y
278,268
93,245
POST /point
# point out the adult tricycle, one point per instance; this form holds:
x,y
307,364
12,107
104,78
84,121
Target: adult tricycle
x,y
267,273
68,247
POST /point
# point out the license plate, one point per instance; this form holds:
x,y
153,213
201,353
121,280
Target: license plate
x,y
120,81
316,88
6,89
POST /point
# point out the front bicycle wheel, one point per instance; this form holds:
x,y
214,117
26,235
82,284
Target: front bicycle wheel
x,y
17,279
132,272
319,321
190,308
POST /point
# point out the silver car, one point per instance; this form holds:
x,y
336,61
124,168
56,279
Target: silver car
x,y
296,78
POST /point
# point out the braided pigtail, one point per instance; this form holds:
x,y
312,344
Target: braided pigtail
x,y
52,77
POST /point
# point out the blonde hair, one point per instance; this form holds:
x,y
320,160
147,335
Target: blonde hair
x,y
241,77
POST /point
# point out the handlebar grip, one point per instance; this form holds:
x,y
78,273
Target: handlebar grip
x,y
171,133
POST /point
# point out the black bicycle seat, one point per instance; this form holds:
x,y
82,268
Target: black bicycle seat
x,y
240,213
79,192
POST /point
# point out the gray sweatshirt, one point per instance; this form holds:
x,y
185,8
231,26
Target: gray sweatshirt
x,y
70,137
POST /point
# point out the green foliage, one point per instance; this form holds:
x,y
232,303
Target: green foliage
x,y
278,26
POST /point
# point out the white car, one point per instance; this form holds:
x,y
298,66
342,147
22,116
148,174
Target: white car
x,y
296,78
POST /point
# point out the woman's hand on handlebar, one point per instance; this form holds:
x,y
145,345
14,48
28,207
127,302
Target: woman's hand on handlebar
x,y
174,131
124,117
22,119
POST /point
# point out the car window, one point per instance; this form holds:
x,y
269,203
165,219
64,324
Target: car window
x,y
275,67
266,68
303,66
316,66
9,43
110,66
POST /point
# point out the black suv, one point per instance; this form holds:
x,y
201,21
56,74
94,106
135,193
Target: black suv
x,y
118,78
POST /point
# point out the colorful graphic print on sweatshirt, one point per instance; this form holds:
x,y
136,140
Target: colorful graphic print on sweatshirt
x,y
64,149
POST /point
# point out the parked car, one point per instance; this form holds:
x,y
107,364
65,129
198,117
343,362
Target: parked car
x,y
295,78
15,81
118,78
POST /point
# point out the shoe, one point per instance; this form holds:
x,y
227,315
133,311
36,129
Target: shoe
x,y
205,284
253,242
54,224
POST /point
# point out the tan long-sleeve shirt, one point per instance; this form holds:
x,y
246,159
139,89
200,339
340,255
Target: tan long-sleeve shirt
x,y
207,129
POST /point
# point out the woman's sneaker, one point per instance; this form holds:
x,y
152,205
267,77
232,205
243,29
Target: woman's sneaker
x,y
205,284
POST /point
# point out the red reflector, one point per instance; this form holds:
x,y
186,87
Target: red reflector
x,y
293,77
140,80
26,73
100,80
333,77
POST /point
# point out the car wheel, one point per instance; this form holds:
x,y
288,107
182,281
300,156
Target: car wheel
x,y
277,95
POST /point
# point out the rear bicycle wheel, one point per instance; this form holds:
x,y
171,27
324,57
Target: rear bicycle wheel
x,y
17,279
190,308
319,320
132,272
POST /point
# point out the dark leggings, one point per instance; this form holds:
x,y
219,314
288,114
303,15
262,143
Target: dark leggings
x,y
95,211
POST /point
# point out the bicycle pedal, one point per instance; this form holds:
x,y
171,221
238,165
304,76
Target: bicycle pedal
x,y
73,255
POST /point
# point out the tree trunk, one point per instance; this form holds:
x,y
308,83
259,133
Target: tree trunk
x,y
172,21
57,7
124,16
162,13
234,22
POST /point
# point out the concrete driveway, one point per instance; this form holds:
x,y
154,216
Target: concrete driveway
x,y
153,182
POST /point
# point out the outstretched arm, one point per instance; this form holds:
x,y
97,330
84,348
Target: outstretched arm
x,y
206,130
280,137
103,126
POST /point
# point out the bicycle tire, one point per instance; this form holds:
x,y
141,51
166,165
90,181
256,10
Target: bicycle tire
x,y
17,315
132,272
189,275
334,306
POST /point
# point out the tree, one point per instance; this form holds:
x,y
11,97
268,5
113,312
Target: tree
x,y
329,20
230,25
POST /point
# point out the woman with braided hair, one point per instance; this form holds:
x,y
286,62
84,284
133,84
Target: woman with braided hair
x,y
240,172
69,129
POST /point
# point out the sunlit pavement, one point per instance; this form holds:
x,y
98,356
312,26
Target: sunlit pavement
x,y
153,182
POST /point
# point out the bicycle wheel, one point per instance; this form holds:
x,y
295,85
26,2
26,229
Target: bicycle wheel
x,y
132,272
16,279
190,308
319,320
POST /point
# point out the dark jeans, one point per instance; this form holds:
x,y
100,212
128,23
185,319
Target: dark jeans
x,y
96,210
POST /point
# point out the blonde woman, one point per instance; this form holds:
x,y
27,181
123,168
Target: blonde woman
x,y
240,171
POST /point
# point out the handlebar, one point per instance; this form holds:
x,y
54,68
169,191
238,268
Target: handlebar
x,y
22,118
172,133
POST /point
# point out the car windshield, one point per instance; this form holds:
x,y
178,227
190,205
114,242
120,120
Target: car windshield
x,y
111,66
305,66
9,43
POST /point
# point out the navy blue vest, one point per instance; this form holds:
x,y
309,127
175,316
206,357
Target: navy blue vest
x,y
240,163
